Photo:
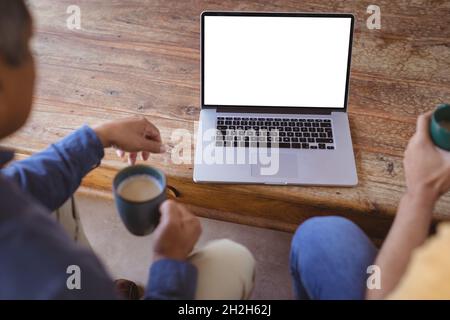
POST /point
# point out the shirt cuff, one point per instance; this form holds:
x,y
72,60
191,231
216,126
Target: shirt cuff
x,y
98,150
172,280
84,148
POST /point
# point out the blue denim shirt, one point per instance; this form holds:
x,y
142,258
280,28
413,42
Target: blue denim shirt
x,y
35,252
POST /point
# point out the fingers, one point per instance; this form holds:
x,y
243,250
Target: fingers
x,y
190,222
152,134
151,140
120,153
145,155
167,206
173,212
170,212
152,146
151,131
186,215
146,139
132,157
423,124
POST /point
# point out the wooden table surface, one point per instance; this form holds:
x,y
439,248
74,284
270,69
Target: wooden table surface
x,y
142,57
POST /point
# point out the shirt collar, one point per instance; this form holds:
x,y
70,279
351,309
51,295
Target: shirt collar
x,y
5,156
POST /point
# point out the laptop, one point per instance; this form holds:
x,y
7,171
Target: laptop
x,y
274,93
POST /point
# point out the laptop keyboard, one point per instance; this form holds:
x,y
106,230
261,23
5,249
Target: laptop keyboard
x,y
261,132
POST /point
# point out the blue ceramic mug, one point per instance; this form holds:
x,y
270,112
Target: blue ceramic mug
x,y
140,218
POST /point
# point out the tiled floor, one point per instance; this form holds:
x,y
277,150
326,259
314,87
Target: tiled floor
x,y
127,256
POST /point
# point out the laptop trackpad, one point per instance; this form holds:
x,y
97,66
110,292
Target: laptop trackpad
x,y
286,167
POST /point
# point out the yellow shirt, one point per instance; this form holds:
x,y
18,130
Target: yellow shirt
x,y
428,274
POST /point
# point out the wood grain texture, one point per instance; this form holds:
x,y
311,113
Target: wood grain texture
x,y
142,57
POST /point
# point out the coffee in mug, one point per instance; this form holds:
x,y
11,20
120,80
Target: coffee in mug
x,y
445,124
139,188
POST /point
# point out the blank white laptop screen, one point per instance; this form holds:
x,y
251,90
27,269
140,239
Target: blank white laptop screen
x,y
276,61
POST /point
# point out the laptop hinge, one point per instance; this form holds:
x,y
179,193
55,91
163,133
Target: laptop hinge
x,y
276,110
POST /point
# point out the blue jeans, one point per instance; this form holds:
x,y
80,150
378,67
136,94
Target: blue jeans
x,y
329,259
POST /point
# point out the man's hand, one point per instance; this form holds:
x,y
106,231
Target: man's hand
x,y
427,168
131,135
177,232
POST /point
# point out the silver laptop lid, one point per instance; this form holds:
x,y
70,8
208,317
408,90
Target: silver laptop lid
x,y
276,60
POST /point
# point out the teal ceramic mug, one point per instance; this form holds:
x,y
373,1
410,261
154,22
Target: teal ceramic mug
x,y
140,217
440,126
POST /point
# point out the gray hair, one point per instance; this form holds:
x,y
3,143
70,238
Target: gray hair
x,y
14,20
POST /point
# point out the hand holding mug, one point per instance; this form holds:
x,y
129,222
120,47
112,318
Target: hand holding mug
x,y
427,168
177,233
